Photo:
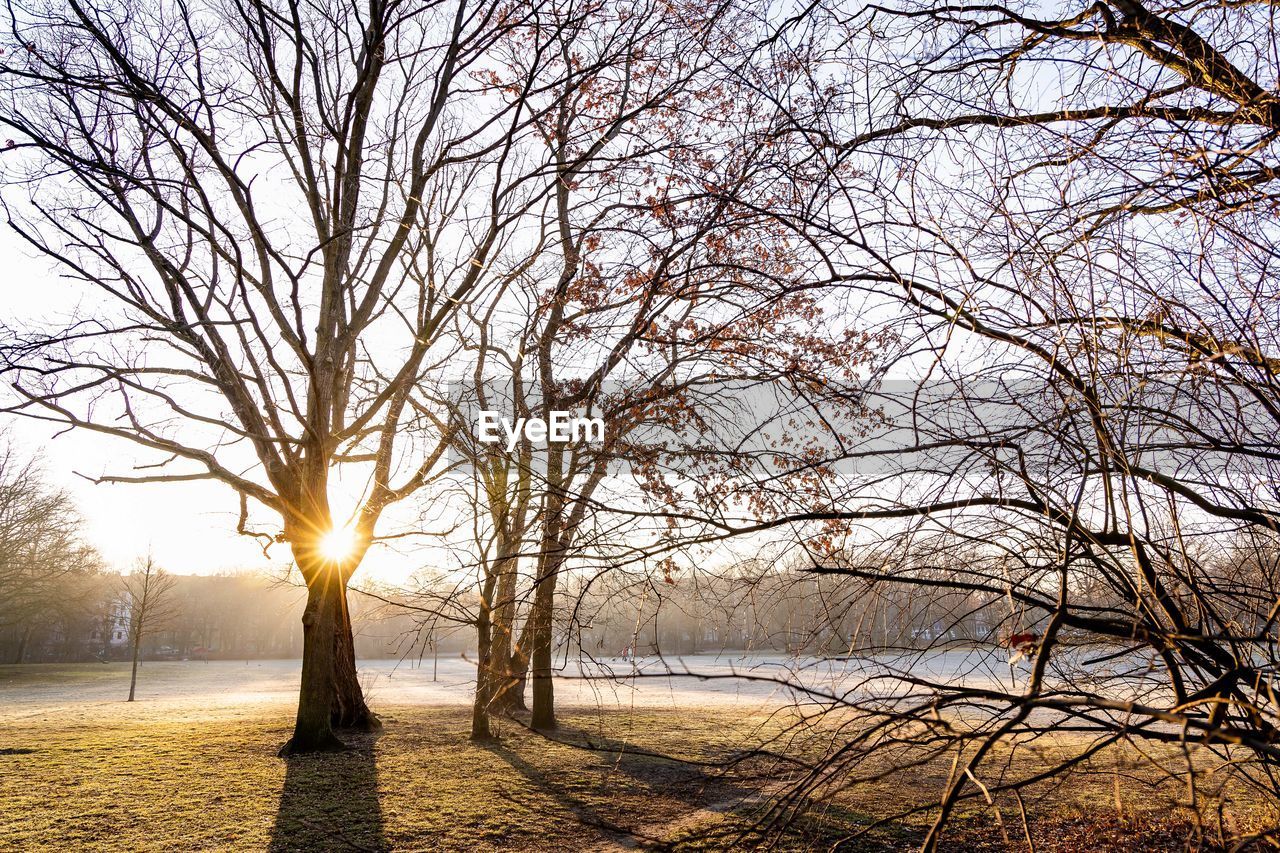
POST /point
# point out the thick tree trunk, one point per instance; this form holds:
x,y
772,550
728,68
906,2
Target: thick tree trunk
x,y
313,728
349,708
544,700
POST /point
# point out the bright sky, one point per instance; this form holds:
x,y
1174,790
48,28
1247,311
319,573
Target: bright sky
x,y
189,527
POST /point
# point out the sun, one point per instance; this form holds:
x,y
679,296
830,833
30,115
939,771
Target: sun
x,y
338,544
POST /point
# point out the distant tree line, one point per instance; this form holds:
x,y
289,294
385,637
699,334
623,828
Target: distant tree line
x,y
59,603
218,617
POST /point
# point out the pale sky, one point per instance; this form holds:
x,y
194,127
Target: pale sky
x,y
188,527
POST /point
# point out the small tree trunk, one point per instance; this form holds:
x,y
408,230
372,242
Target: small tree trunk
x,y
137,647
313,728
23,640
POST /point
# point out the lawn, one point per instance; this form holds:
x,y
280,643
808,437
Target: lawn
x,y
419,784
191,773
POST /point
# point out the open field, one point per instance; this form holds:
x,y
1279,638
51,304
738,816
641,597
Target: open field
x,y
728,680
191,766
217,785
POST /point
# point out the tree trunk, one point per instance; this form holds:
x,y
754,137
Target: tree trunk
x,y
23,640
349,708
485,672
518,672
506,696
313,728
540,618
544,701
137,647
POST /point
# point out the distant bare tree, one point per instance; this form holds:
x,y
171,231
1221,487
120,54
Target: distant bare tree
x,y
148,592
41,551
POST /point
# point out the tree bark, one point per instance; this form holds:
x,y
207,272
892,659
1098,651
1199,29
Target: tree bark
x,y
518,671
506,696
313,727
137,647
540,618
349,708
486,674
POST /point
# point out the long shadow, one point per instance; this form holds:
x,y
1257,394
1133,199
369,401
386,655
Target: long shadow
x,y
696,786
330,801
585,812
736,784
653,768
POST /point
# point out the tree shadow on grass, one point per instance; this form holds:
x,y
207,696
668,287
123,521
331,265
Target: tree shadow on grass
x,y
330,801
653,794
583,811
696,781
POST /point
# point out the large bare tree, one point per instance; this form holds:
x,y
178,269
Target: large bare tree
x,y
272,209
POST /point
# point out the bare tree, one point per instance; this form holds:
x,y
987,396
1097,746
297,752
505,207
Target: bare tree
x,y
1068,219
666,275
151,608
277,208
42,554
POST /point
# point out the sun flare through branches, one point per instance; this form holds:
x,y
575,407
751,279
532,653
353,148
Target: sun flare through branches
x,y
338,544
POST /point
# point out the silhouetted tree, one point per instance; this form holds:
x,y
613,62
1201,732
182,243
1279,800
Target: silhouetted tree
x,y
275,210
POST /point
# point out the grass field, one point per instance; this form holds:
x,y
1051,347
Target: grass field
x,y
198,772
420,784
